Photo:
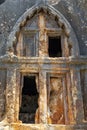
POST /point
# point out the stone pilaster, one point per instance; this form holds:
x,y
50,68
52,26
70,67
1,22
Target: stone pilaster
x,y
84,91
17,97
77,96
65,47
43,51
10,94
69,97
42,98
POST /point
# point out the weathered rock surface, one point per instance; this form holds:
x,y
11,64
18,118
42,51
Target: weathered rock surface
x,y
74,11
60,79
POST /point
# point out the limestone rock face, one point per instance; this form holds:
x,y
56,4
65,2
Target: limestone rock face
x,y
2,1
74,11
43,65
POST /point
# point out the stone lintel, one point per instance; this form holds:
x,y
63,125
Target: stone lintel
x,y
70,60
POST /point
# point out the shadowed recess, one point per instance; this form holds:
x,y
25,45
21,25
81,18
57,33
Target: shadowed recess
x,y
29,100
2,1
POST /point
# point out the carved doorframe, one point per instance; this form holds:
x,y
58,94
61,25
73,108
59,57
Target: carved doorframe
x,y
62,76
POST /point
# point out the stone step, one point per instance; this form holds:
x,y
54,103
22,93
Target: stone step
x,y
47,127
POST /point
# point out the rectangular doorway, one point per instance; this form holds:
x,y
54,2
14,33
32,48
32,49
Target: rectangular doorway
x,y
29,99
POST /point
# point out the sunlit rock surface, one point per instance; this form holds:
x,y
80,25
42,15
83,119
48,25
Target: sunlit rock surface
x,y
43,65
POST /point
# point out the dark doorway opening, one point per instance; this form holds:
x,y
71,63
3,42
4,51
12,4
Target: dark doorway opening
x,y
29,100
54,47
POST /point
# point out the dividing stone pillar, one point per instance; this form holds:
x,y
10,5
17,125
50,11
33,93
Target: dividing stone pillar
x,y
10,95
84,91
70,101
77,96
65,47
17,96
42,98
43,50
85,95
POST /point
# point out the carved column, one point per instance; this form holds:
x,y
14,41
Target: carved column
x,y
42,98
20,48
69,96
17,97
43,51
10,94
77,96
84,91
65,47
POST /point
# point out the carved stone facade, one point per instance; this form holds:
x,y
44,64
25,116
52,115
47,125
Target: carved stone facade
x,y
42,76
